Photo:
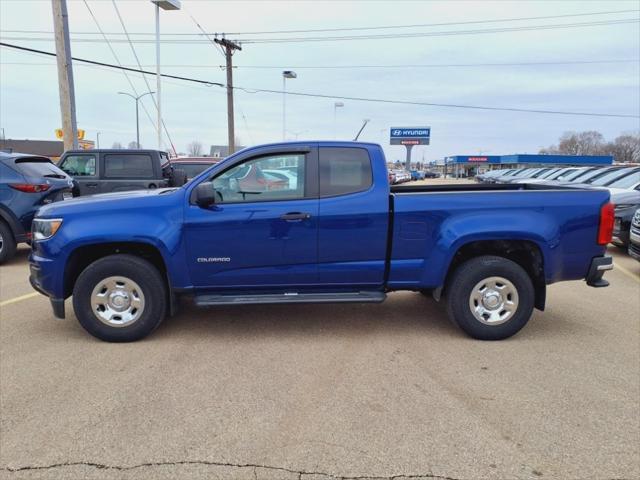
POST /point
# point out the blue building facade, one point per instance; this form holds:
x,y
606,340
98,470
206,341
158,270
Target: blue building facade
x,y
468,165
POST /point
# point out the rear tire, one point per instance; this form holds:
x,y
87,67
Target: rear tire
x,y
490,297
7,243
120,298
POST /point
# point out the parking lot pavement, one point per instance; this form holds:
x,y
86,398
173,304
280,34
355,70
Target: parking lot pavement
x,y
325,391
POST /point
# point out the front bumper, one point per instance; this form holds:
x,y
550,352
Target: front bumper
x,y
599,265
35,279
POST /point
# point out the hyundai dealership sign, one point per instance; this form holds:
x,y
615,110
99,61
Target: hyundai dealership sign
x,y
410,135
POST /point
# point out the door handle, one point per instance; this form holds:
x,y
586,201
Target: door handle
x,y
91,185
295,216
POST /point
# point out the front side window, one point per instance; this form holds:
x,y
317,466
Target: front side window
x,y
344,170
269,178
79,165
128,166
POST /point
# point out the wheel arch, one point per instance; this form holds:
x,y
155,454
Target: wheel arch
x,y
526,253
82,256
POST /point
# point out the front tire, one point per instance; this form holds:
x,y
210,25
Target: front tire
x,y
490,297
120,298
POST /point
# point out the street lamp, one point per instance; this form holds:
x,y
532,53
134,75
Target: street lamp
x,y
285,74
137,117
165,5
336,105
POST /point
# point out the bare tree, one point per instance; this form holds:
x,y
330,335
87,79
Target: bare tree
x,y
133,146
194,149
625,148
117,145
577,143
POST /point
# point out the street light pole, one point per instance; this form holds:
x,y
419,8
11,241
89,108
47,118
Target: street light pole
x,y
285,74
165,5
336,105
137,114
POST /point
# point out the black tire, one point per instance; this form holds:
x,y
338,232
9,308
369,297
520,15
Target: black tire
x,y
144,274
471,273
7,243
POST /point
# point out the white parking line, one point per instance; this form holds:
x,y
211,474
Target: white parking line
x,y
628,273
19,299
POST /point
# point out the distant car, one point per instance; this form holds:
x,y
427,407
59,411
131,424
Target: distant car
x,y
428,174
608,177
118,170
27,182
417,175
194,166
634,236
626,204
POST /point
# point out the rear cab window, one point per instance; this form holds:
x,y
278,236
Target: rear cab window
x,y
129,165
344,170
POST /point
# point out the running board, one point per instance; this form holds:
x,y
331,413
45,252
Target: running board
x,y
338,297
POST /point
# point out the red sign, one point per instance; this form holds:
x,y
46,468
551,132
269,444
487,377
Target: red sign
x,y
410,142
478,159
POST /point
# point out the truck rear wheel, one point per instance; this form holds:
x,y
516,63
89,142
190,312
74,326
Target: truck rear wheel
x,y
490,297
120,298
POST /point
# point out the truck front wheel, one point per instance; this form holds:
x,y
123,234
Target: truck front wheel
x,y
490,297
120,298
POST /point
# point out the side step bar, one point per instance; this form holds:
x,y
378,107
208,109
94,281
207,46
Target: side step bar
x,y
338,297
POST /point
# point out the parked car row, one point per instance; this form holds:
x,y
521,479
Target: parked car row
x,y
397,176
622,182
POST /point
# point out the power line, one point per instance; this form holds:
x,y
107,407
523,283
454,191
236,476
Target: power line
x,y
392,36
342,97
385,36
410,65
429,104
111,65
359,28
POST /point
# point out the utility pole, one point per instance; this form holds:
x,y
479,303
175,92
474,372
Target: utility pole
x,y
65,74
229,47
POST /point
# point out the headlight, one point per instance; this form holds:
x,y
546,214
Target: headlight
x,y
44,228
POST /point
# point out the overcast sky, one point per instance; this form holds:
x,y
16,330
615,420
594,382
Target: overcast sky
x,y
29,105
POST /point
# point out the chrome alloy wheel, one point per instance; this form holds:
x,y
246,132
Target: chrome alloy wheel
x,y
1,243
117,301
494,300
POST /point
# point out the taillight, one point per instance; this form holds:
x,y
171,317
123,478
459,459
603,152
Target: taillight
x,y
605,229
30,187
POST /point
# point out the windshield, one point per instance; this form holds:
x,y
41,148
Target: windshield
x,y
626,182
612,176
549,173
591,174
562,173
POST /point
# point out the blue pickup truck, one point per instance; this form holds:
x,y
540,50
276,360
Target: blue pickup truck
x,y
333,231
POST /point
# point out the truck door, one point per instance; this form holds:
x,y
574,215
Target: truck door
x,y
263,231
354,218
82,168
127,171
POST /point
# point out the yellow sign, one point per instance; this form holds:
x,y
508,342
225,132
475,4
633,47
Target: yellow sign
x,y
60,134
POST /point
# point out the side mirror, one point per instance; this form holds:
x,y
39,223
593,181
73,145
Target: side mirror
x,y
205,195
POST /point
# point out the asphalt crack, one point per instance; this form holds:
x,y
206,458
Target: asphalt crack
x,y
300,473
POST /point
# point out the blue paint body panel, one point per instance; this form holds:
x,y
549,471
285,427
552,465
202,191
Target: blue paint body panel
x,y
343,245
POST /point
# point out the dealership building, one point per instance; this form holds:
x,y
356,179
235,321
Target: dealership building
x,y
470,165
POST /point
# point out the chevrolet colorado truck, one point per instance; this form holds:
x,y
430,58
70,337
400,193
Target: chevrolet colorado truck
x,y
338,233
